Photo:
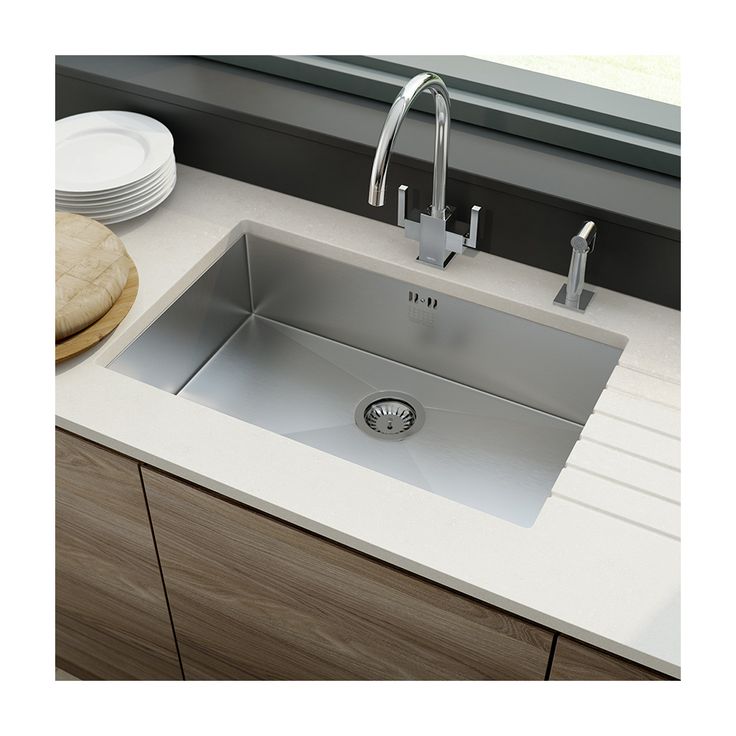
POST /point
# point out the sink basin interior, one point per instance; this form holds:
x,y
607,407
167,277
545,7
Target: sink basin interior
x,y
294,342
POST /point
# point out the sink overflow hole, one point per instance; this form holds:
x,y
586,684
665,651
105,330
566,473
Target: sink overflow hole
x,y
430,301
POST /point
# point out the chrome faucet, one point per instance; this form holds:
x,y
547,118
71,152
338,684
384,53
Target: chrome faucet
x,y
572,294
436,244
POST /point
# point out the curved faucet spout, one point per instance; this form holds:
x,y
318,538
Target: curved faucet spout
x,y
437,243
415,86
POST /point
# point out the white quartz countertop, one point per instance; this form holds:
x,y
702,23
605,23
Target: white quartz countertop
x,y
602,561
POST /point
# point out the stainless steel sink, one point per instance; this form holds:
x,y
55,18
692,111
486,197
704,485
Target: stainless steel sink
x,y
464,401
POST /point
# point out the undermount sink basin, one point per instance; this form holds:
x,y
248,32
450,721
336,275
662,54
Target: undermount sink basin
x,y
462,400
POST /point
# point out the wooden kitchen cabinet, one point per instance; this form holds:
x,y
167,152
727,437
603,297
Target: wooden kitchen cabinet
x,y
253,597
112,621
576,661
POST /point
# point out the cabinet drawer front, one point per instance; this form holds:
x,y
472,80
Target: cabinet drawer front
x,y
576,661
256,598
112,621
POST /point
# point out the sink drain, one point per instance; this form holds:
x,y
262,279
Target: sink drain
x,y
389,415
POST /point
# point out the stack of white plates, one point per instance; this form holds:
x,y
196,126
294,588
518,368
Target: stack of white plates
x,y
112,166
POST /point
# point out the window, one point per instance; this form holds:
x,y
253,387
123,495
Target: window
x,y
596,105
652,77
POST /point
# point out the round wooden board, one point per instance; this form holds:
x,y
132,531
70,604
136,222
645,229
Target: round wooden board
x,y
76,344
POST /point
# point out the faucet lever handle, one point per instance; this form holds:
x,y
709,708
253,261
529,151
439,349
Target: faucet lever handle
x,y
457,243
472,239
402,205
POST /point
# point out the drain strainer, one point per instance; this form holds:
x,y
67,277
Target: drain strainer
x,y
389,415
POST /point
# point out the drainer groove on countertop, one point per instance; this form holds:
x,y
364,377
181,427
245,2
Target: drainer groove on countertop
x,y
389,415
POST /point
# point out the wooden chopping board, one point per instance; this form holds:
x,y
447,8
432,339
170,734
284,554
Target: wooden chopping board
x,y
92,268
97,312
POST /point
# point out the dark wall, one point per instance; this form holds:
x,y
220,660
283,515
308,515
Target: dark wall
x,y
630,257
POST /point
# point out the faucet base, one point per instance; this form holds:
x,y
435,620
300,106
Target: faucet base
x,y
434,264
437,244
582,302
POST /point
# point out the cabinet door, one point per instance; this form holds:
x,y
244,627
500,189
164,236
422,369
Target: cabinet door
x,y
112,621
255,598
576,661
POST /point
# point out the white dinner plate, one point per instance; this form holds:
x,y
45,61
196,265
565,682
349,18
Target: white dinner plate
x,y
156,176
109,200
140,210
97,151
129,213
112,207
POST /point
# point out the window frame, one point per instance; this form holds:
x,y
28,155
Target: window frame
x,y
574,115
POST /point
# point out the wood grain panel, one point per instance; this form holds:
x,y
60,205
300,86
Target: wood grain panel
x,y
256,598
576,661
112,620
